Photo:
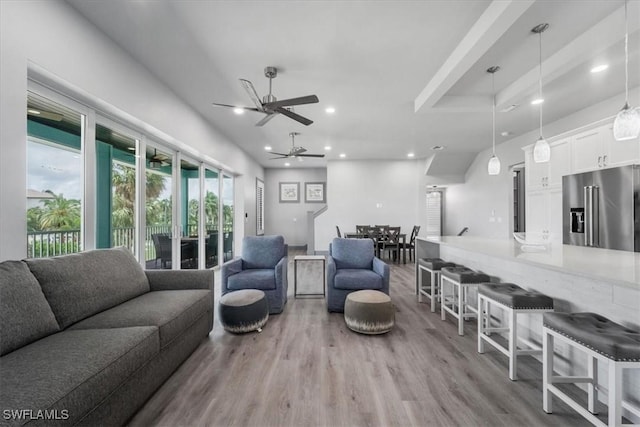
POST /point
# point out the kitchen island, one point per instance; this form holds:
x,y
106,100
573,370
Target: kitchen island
x,y
578,278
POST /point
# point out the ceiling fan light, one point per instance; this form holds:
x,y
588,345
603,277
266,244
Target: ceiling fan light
x,y
155,164
494,165
627,124
541,151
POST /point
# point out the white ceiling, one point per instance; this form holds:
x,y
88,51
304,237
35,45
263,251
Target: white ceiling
x,y
403,76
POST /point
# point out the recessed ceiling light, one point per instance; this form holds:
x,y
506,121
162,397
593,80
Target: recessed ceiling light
x,y
437,147
327,148
599,68
410,155
329,110
32,111
268,148
131,148
238,110
537,101
287,164
342,155
506,133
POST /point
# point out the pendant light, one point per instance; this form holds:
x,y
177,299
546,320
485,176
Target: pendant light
x,y
493,167
541,149
627,123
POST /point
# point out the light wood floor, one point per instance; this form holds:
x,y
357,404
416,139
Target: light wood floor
x,y
307,369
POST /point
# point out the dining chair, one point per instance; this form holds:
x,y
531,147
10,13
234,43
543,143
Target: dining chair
x,y
362,229
412,242
391,242
338,231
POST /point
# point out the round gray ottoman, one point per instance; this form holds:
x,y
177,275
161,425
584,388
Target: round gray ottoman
x,y
369,312
243,311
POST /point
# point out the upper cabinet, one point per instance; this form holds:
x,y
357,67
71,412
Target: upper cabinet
x,y
548,175
597,149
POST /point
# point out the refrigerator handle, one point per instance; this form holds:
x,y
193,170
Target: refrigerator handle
x,y
591,216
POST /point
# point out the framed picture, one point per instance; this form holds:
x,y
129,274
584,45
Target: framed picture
x,y
289,192
314,192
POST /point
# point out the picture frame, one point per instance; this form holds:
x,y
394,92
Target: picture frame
x,y
314,192
289,192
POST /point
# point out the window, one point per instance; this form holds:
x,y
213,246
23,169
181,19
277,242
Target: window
x,y
212,216
434,213
227,216
54,178
259,207
158,249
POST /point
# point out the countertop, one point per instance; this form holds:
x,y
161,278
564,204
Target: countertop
x,y
621,267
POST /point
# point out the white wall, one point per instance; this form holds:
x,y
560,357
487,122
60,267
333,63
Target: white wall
x,y
370,192
482,197
51,37
289,219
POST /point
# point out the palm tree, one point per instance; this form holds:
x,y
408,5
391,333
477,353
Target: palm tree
x,y
124,191
60,213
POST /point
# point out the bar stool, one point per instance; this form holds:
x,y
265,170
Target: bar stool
x,y
602,340
514,300
461,278
433,267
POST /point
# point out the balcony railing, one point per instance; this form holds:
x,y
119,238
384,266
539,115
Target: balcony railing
x,y
51,243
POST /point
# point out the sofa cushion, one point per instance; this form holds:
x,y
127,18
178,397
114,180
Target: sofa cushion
x,y
80,285
352,253
73,371
264,279
25,314
348,278
262,251
173,312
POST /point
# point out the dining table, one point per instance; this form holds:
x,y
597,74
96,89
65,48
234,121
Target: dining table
x,y
376,240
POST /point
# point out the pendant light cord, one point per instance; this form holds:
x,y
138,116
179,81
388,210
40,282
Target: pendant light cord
x,y
626,57
493,110
540,83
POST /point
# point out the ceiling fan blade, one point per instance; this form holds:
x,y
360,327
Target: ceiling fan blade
x,y
234,106
309,155
276,158
279,154
309,99
294,116
248,86
266,118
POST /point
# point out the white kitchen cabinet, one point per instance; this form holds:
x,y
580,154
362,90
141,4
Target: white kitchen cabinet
x,y
544,213
549,174
597,149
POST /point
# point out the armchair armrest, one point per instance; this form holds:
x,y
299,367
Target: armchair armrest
x,y
331,271
174,280
229,268
281,273
381,268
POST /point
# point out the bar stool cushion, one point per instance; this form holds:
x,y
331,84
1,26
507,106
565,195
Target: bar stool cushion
x,y
435,264
513,296
598,333
464,275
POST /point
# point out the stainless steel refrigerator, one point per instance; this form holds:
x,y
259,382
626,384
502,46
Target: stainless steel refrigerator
x,y
602,208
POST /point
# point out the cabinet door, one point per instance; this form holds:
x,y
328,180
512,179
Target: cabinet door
x,y
554,214
535,172
536,219
560,163
586,150
620,153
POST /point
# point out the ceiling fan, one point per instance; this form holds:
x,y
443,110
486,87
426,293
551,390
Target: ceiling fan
x,y
270,105
158,160
295,151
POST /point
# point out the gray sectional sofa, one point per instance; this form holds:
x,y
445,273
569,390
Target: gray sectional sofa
x,y
85,339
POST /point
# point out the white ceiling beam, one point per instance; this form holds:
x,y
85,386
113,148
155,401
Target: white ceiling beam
x,y
608,32
491,25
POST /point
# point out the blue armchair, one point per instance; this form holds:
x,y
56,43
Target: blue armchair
x,y
352,266
263,265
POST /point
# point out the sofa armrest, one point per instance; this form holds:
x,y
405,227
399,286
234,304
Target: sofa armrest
x,y
381,268
173,280
228,269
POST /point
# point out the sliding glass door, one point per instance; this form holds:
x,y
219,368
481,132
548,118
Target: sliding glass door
x,y
158,250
